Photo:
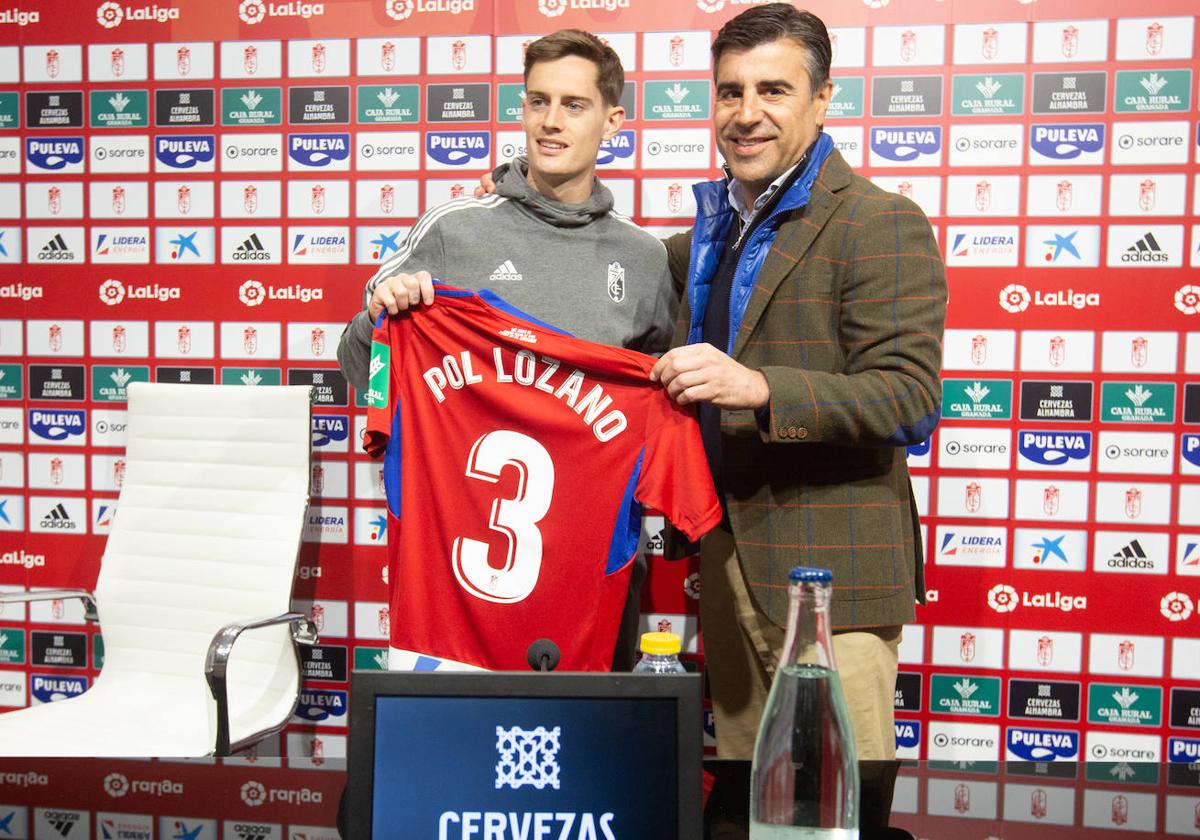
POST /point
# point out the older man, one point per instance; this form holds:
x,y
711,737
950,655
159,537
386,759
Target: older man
x,y
810,334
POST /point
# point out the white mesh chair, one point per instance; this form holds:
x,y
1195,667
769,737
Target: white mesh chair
x,y
202,550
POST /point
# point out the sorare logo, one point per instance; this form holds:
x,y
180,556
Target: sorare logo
x,y
906,143
1066,142
620,147
185,151
318,150
318,705
1042,744
328,429
457,148
54,153
1054,449
57,425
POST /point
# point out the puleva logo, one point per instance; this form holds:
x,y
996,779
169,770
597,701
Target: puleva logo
x,y
618,147
57,425
46,688
329,428
527,757
908,733
905,144
1053,449
54,153
318,705
1042,744
457,148
1183,750
318,150
181,151
1067,142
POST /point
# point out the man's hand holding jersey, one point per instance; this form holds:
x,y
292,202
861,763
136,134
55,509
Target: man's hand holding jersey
x,y
401,292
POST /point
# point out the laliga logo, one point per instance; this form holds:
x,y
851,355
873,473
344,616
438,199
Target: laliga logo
x,y
1187,299
1176,606
116,785
252,293
1014,298
710,6
1002,598
109,15
875,4
254,794
112,292
252,11
552,8
398,9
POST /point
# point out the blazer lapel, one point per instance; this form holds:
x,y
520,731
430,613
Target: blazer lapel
x,y
792,242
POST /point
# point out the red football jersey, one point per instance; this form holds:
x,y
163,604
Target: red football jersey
x,y
517,462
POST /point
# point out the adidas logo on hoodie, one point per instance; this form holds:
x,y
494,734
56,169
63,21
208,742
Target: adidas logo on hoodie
x,y
505,271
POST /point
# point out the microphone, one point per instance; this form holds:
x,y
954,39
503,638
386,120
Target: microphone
x,y
542,655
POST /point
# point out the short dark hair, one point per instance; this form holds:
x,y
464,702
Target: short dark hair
x,y
763,24
610,75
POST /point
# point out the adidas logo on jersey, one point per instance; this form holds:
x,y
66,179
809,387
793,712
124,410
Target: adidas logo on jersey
x,y
506,271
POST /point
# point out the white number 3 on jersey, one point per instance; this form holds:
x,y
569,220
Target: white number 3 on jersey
x,y
516,518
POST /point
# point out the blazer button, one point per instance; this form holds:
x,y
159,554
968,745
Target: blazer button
x,y
791,432
802,433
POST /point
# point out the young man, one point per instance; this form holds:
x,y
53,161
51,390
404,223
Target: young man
x,y
548,241
812,323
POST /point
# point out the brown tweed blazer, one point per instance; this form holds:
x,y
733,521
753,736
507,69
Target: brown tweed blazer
x,y
845,321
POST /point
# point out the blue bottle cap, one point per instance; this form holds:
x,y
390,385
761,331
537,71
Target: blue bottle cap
x,y
809,574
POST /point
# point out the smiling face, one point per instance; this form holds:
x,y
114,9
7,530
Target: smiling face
x,y
766,115
565,120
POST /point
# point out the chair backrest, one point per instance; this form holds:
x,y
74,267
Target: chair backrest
x,y
207,528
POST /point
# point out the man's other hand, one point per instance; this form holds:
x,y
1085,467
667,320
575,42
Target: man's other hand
x,y
702,373
400,292
487,185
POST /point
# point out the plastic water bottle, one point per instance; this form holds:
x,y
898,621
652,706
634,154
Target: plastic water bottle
x,y
660,655
804,780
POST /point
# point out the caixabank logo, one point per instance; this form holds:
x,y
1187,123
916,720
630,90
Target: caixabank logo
x,y
55,154
185,151
319,151
1023,744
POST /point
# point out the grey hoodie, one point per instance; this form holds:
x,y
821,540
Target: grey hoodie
x,y
582,267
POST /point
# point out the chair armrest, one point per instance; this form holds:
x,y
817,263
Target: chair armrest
x,y
89,601
216,663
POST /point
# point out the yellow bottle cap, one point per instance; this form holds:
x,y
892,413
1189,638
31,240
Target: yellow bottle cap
x,y
660,644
